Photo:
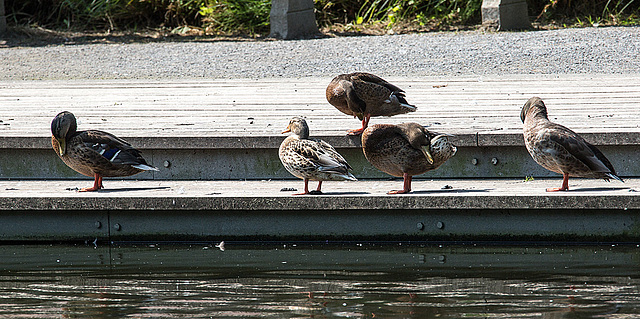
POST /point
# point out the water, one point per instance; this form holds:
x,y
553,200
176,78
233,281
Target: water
x,y
319,281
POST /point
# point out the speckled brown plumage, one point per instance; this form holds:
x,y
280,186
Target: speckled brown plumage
x,y
311,159
94,153
364,95
404,150
560,149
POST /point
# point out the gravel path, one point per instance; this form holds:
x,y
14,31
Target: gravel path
x,y
612,50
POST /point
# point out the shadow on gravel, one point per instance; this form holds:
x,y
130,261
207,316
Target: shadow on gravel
x,y
34,37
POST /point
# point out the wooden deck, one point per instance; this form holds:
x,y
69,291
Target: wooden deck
x,y
252,113
221,136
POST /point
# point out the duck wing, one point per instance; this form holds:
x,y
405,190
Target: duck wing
x,y
113,149
371,78
329,157
318,155
379,96
580,149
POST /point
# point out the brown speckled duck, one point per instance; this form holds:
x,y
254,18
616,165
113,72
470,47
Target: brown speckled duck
x,y
94,153
364,95
560,149
311,159
405,150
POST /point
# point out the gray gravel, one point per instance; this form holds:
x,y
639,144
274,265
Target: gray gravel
x,y
611,50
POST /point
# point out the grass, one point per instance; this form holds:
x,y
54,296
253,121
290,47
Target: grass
x,y
251,17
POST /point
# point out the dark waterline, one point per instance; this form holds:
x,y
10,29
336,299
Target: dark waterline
x,y
319,281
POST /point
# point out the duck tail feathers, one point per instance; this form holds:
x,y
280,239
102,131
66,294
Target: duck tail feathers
x,y
350,177
399,98
339,171
409,107
145,167
614,176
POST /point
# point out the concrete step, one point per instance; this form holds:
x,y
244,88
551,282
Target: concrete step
x,y
230,129
447,210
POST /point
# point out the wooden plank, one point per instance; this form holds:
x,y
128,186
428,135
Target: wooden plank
x,y
230,108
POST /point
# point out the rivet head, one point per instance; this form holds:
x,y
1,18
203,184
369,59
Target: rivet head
x,y
494,161
474,161
98,224
420,226
440,225
167,164
117,227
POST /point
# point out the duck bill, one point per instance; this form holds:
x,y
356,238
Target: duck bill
x,y
62,147
287,130
427,154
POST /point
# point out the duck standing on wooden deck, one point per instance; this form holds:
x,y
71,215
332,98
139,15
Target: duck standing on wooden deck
x,y
311,159
94,153
364,95
405,150
560,149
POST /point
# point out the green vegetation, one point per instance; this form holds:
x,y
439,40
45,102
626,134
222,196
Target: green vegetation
x,y
251,17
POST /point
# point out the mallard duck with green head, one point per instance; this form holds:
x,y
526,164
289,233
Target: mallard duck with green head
x,y
94,153
561,150
311,159
364,95
405,150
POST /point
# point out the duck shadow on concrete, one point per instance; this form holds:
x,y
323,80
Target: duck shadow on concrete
x,y
315,193
597,189
451,191
131,189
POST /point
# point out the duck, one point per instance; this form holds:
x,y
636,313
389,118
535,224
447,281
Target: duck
x,y
94,153
311,159
364,95
561,150
405,150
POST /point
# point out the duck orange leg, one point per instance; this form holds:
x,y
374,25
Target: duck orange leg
x,y
407,185
306,189
565,184
97,184
365,124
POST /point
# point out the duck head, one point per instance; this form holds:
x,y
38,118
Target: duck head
x,y
533,107
441,147
298,126
63,125
418,137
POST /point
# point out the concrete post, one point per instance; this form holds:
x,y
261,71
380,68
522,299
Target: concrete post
x,y
3,19
292,19
505,14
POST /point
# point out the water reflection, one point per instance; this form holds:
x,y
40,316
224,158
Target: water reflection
x,y
319,281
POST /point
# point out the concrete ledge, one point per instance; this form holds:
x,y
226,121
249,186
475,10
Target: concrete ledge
x,y
362,195
265,195
260,210
480,139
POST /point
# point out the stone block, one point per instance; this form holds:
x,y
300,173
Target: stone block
x,y
291,19
505,15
